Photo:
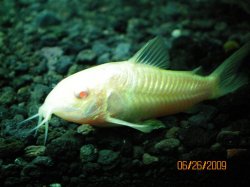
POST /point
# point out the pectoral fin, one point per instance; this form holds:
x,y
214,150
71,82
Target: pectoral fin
x,y
91,110
115,103
146,128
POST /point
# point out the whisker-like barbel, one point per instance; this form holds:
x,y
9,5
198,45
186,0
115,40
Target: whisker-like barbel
x,y
38,126
28,119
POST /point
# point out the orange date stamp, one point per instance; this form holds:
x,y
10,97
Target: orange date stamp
x,y
212,165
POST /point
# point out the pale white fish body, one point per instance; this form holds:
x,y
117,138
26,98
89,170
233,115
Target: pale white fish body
x,y
121,93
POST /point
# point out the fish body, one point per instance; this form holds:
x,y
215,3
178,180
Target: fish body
x,y
130,92
123,93
141,91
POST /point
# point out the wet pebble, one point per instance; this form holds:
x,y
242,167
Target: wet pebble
x,y
229,138
121,52
3,112
39,92
176,33
91,31
22,81
85,129
42,161
88,153
31,170
173,132
55,185
47,18
100,48
134,25
22,67
173,9
63,64
167,145
217,147
107,157
230,46
67,146
7,95
52,56
148,159
3,73
86,56
201,119
40,68
20,162
74,69
104,58
34,150
37,167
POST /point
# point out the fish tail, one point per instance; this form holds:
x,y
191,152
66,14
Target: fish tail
x,y
226,78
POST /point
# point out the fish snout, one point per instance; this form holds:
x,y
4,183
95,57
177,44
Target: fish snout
x,y
45,112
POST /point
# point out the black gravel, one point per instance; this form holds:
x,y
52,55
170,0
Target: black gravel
x,y
42,41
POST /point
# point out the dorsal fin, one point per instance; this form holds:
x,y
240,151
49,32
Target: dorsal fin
x,y
154,53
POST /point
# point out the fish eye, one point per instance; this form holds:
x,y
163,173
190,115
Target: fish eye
x,y
82,94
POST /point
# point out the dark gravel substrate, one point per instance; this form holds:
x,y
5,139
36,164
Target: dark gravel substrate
x,y
42,41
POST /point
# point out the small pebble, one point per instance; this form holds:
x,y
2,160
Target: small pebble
x,y
55,185
47,18
7,95
229,138
173,132
170,144
176,33
107,157
85,129
34,150
88,153
230,45
86,56
122,50
148,159
43,161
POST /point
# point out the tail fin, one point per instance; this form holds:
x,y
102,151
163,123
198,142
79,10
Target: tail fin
x,y
226,74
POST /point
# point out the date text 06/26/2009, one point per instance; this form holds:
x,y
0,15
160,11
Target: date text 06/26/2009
x,y
202,165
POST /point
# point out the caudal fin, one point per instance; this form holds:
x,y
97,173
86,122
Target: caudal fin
x,y
226,74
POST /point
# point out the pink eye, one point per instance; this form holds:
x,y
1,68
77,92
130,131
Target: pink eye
x,y
81,94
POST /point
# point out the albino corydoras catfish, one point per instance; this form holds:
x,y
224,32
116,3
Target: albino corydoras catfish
x,y
123,93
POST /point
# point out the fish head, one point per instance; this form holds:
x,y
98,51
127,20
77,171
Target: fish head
x,y
77,99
